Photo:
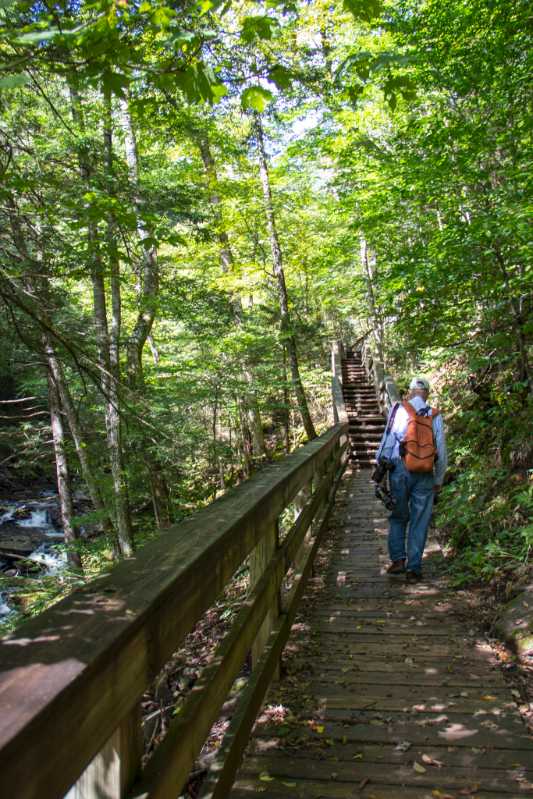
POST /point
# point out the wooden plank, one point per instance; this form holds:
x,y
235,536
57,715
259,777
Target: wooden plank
x,y
398,676
308,789
70,673
446,778
460,733
113,770
414,699
333,751
259,560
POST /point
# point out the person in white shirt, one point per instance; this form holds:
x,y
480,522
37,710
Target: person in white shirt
x,y
413,492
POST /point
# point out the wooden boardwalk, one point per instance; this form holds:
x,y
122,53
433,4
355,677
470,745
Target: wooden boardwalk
x,y
388,693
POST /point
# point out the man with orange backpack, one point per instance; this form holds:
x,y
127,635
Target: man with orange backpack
x,y
413,449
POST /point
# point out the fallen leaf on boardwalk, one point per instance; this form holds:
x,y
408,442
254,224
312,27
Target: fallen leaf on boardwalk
x,y
265,777
489,698
469,791
439,795
289,784
418,768
363,783
431,761
402,746
358,756
319,728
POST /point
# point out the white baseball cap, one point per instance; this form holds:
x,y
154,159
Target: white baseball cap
x,y
420,383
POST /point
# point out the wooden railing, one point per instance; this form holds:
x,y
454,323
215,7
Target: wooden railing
x,y
339,409
71,680
386,388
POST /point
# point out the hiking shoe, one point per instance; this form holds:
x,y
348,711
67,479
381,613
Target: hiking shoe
x,y
413,577
396,567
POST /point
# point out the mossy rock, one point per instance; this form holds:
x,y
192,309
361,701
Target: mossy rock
x,y
515,623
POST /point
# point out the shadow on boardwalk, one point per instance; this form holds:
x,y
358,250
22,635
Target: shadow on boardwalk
x,y
385,692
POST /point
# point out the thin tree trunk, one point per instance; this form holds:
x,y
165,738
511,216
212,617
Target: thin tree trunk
x,y
148,294
249,404
286,329
108,381
286,405
517,322
63,478
56,371
78,435
377,323
112,247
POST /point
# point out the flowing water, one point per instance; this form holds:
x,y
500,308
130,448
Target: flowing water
x,y
32,518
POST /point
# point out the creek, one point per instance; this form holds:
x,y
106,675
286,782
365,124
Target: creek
x,y
30,530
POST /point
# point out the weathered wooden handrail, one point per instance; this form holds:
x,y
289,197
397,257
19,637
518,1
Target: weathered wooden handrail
x,y
71,679
339,408
386,388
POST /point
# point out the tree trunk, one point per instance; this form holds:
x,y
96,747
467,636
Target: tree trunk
x,y
56,372
147,298
286,405
78,435
107,379
368,264
286,329
518,323
63,478
249,404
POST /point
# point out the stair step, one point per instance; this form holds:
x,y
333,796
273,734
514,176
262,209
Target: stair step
x,y
371,453
369,410
365,402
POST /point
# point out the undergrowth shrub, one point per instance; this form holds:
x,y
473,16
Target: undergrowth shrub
x,y
486,506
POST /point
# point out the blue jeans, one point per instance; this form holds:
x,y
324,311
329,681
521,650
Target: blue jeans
x,y
414,503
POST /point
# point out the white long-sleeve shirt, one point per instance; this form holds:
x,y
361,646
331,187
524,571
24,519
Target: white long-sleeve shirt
x,y
390,443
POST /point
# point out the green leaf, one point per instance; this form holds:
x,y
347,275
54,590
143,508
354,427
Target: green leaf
x,y
367,10
257,27
14,81
218,90
256,98
281,76
116,83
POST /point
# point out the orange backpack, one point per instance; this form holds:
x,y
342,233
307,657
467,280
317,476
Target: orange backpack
x,y
418,448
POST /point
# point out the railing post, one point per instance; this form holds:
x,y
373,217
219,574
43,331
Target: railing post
x,y
300,501
259,559
113,770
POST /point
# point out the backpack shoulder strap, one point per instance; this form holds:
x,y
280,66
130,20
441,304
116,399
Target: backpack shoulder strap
x,y
391,417
409,408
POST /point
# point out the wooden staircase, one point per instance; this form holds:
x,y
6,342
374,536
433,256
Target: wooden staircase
x,y
364,416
